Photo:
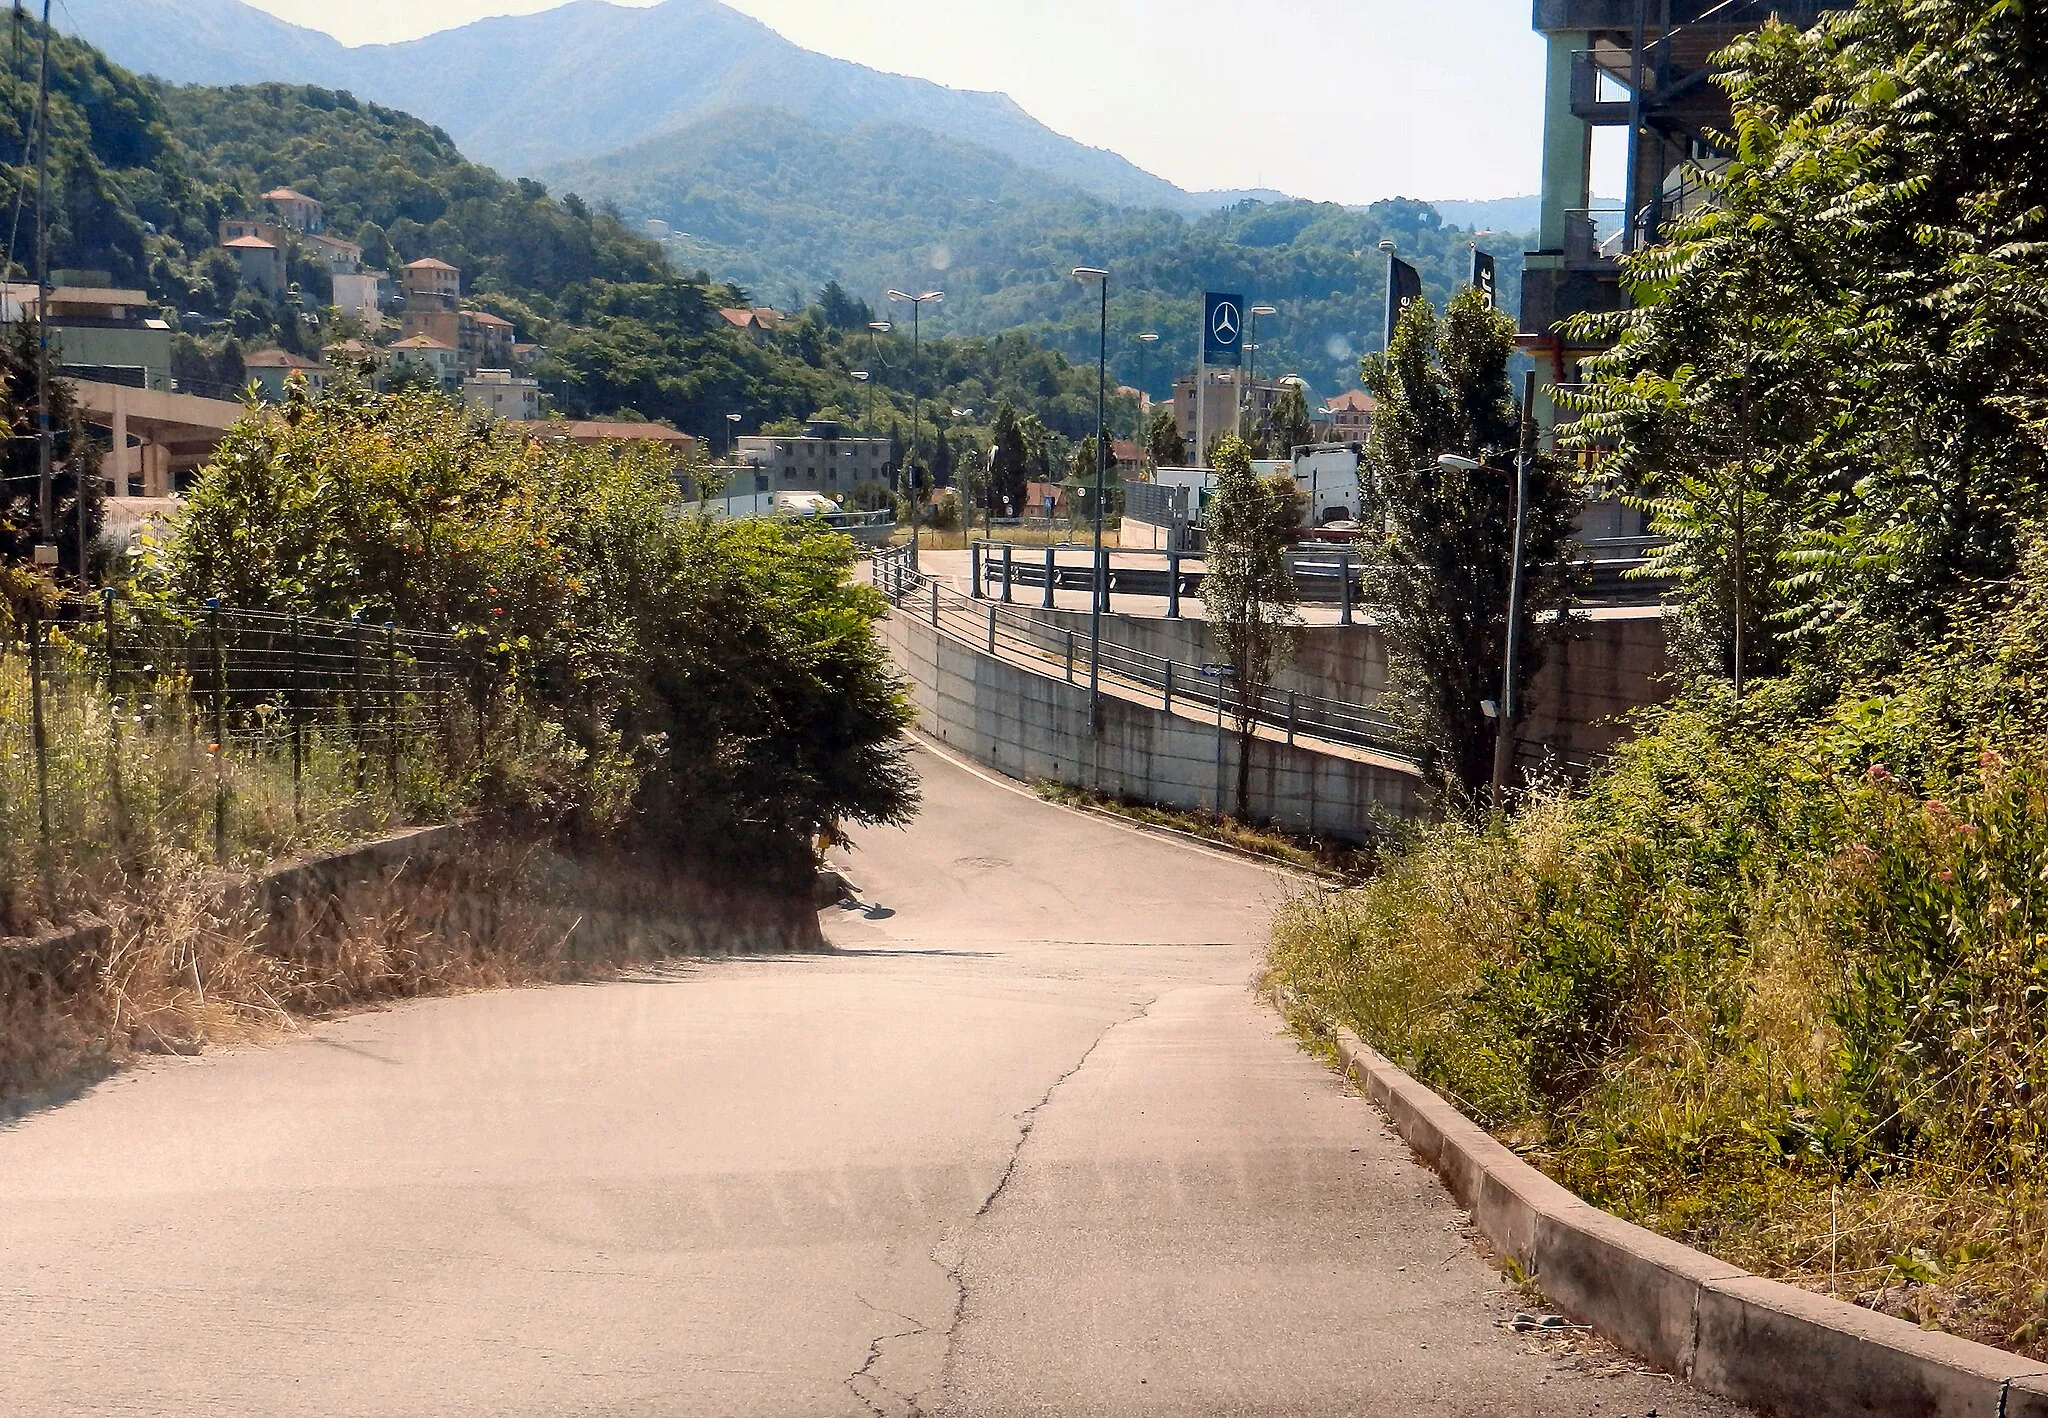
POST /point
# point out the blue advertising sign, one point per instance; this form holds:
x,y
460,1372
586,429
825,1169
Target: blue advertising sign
x,y
1223,329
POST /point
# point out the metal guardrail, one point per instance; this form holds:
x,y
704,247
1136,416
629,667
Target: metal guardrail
x,y
1334,577
986,626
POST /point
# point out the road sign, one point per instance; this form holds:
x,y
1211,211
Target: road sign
x,y
1218,672
1223,329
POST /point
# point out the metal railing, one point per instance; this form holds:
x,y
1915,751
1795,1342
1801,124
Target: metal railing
x,y
1331,577
1053,650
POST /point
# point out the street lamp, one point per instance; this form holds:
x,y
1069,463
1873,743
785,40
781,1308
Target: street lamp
x,y
917,303
732,426
1090,275
861,376
1252,396
1145,343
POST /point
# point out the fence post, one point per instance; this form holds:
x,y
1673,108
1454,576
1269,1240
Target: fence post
x,y
295,699
355,710
1070,657
114,716
1168,703
935,603
37,735
991,629
974,569
1291,717
391,707
220,733
1052,572
1344,595
1219,750
1006,572
1173,585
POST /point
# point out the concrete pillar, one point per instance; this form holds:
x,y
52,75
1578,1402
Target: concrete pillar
x,y
156,469
1567,141
118,466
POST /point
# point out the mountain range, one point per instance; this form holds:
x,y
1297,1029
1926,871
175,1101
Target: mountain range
x,y
521,92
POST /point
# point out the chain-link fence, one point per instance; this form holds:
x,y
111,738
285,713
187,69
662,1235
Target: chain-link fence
x,y
128,729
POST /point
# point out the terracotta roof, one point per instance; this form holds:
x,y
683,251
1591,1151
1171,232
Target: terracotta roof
x,y
601,431
278,359
423,342
484,317
1355,402
1125,451
249,243
286,194
742,319
428,263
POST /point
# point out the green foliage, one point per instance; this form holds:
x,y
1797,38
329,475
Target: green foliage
x,y
75,465
1163,439
1248,593
718,682
1781,949
1443,574
1289,422
1830,394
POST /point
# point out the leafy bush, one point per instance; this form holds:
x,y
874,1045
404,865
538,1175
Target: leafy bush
x,y
1773,981
715,686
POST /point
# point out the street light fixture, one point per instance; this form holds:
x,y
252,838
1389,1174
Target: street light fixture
x,y
917,304
861,376
1099,583
732,426
1145,343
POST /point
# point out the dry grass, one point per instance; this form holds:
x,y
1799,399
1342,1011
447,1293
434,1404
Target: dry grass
x,y
1319,856
184,971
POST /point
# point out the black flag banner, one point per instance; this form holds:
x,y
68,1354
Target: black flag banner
x,y
1486,277
1404,284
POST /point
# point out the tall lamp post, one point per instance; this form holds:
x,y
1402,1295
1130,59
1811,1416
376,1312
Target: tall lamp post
x,y
1145,343
732,426
863,378
1090,275
917,303
1252,394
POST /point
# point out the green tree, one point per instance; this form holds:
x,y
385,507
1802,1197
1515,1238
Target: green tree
x,y
1247,590
1828,392
1163,439
75,467
1009,460
718,681
1290,422
1440,581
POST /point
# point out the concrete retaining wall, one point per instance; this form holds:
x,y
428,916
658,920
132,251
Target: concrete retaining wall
x,y
1779,1348
1034,726
1615,664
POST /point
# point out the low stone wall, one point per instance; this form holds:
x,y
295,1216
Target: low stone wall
x,y
1612,665
1034,726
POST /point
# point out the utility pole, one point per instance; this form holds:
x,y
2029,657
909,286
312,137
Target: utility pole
x,y
44,492
1098,584
917,303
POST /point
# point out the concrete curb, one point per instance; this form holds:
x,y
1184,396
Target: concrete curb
x,y
1724,1331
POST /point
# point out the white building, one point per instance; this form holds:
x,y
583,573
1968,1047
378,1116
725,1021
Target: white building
x,y
503,393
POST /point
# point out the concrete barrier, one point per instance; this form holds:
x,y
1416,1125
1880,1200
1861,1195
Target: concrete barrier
x,y
1032,725
1724,1331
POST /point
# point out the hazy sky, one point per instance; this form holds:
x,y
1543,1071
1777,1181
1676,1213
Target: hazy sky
x,y
1344,100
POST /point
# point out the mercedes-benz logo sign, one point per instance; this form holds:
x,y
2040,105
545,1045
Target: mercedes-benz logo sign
x,y
1225,325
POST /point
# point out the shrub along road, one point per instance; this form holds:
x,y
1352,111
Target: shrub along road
x,y
1025,1144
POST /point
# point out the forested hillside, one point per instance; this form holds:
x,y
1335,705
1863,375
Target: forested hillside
x,y
146,171
764,197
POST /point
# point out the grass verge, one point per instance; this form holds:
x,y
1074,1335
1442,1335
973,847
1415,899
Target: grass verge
x,y
1334,861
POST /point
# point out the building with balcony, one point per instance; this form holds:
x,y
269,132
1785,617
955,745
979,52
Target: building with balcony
x,y
1646,67
296,210
1223,396
271,370
423,354
430,285
97,331
821,459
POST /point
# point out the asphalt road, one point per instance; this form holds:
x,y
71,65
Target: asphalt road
x,y
1025,1144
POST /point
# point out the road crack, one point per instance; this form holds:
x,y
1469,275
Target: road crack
x,y
875,1395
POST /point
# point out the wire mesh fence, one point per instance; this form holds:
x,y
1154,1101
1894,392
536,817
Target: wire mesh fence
x,y
127,729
